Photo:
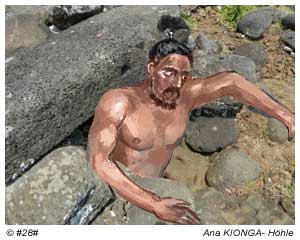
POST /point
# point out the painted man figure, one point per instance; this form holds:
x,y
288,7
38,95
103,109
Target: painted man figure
x,y
141,125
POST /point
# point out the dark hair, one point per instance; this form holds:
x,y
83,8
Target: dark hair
x,y
167,47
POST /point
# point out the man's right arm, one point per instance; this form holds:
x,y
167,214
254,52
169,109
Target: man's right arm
x,y
110,113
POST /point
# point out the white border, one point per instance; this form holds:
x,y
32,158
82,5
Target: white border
x,y
140,232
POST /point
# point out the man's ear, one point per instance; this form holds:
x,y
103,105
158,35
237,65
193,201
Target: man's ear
x,y
150,68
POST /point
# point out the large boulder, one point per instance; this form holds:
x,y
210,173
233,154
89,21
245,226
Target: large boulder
x,y
255,23
54,87
60,189
40,11
231,168
24,30
211,134
208,46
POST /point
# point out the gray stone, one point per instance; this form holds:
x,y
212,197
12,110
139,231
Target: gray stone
x,y
211,134
254,51
39,11
24,30
288,22
60,189
231,168
208,65
207,45
214,207
267,212
288,38
63,16
162,187
255,23
54,87
277,131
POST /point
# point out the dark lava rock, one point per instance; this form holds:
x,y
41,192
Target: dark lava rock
x,y
288,37
254,51
211,134
288,22
231,168
63,16
255,23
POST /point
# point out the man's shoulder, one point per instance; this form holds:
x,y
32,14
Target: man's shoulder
x,y
117,99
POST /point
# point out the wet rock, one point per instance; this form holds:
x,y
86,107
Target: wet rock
x,y
208,65
231,168
63,16
254,51
277,131
288,22
207,45
162,187
211,134
24,30
288,38
60,189
57,84
188,167
255,23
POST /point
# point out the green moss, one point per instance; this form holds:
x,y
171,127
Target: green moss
x,y
230,15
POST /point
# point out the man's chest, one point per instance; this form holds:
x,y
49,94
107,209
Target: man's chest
x,y
144,128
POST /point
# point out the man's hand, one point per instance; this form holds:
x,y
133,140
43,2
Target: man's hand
x,y
290,123
175,211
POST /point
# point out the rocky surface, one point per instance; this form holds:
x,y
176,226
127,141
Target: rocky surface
x,y
214,207
211,134
60,189
24,31
254,51
208,46
231,168
72,69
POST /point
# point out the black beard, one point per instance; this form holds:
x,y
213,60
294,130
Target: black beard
x,y
163,104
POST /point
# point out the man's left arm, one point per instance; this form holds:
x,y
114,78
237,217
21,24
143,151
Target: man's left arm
x,y
201,91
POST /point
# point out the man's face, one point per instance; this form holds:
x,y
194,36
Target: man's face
x,y
168,77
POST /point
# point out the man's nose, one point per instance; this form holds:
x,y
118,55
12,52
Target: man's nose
x,y
179,82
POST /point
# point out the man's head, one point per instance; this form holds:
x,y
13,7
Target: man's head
x,y
168,68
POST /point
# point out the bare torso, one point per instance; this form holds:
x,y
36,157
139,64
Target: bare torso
x,y
148,135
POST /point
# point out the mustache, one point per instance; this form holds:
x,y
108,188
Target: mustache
x,y
172,90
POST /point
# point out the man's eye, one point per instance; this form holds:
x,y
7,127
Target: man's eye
x,y
184,77
168,73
